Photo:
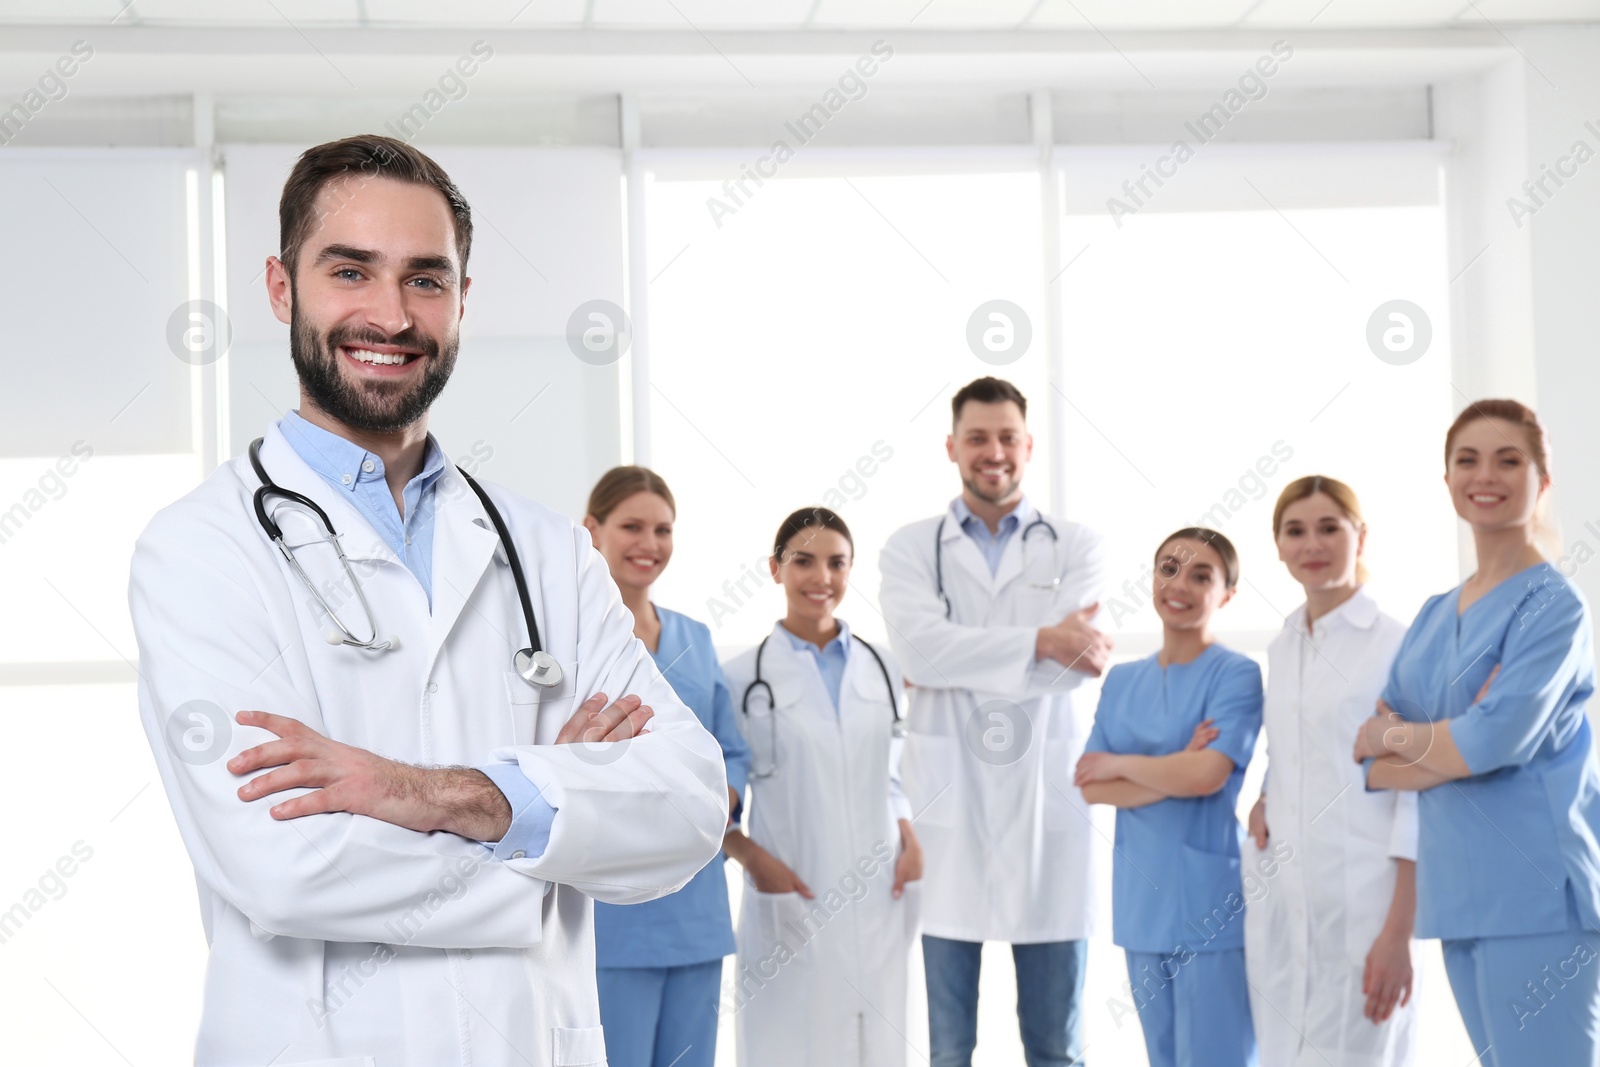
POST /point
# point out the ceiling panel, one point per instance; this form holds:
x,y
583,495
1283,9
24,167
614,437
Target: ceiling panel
x,y
922,14
523,14
701,14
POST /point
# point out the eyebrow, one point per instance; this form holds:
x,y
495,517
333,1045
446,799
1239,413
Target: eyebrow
x,y
436,264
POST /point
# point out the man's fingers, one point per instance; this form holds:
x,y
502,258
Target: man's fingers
x,y
281,725
804,890
314,803
296,775
632,725
269,754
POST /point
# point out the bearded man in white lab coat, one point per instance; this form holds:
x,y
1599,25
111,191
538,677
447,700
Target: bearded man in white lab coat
x,y
394,844
989,607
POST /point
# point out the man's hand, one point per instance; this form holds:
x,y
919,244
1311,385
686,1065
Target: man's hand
x,y
345,778
1075,643
593,721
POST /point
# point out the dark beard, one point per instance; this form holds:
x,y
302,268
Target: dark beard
x,y
371,407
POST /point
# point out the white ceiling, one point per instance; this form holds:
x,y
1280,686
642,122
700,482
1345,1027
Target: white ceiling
x,y
953,15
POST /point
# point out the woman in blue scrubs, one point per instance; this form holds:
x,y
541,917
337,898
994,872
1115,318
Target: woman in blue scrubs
x,y
1483,715
1172,736
659,964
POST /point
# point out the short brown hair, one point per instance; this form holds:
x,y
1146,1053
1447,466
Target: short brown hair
x,y
987,391
619,483
1224,547
806,519
365,157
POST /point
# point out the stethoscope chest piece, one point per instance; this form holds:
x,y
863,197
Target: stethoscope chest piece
x,y
538,668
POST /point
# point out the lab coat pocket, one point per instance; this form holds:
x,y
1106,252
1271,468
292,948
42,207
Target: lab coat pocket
x,y
522,700
584,1047
1213,900
929,767
772,923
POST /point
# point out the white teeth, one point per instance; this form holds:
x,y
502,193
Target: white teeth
x,y
381,358
1178,606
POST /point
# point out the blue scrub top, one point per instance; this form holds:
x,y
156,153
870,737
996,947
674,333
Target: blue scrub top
x,y
692,925
1496,851
1175,880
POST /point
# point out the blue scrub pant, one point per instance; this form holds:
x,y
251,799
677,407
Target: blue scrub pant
x,y
656,1016
1195,1008
1529,1000
1049,1000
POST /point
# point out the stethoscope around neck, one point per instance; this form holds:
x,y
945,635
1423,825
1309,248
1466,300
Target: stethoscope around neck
x,y
1041,580
896,729
536,666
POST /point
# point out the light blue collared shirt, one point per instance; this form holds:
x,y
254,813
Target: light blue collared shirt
x,y
346,466
992,545
830,659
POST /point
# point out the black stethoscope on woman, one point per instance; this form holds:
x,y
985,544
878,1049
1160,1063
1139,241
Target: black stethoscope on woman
x,y
897,730
536,666
1043,580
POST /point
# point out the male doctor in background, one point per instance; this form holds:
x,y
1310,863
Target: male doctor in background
x,y
365,905
989,609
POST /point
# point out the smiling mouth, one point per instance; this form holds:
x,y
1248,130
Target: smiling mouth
x,y
374,358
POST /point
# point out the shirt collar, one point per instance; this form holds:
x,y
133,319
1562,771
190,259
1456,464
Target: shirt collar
x,y
841,640
1360,611
342,462
1008,522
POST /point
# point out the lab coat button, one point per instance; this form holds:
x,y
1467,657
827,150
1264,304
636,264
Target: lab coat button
x,y
466,953
433,687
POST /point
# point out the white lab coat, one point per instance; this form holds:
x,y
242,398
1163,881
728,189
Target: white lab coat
x,y
1009,847
1312,916
338,940
823,981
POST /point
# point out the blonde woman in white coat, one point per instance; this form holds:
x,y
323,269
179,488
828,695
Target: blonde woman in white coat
x,y
829,913
1332,887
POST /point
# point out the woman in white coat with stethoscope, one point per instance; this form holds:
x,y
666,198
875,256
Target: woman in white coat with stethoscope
x,y
829,912
1328,930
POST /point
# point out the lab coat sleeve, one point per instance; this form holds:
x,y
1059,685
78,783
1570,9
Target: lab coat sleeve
x,y
1403,831
635,819
937,653
213,640
1084,585
725,727
1547,645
